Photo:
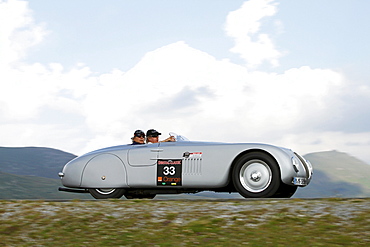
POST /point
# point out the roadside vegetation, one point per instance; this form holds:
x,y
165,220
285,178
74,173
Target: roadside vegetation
x,y
293,222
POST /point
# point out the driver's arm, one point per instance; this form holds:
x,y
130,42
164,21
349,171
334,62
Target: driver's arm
x,y
169,139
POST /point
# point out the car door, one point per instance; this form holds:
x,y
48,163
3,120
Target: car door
x,y
142,170
143,155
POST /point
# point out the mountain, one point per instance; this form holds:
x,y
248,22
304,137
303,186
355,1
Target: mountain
x,y
35,161
31,187
336,174
32,173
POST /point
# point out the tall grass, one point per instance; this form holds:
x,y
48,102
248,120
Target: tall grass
x,y
329,222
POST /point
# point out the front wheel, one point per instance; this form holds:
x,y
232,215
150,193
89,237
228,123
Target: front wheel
x,y
256,175
285,191
107,193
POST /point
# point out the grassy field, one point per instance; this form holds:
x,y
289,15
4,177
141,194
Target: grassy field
x,y
293,222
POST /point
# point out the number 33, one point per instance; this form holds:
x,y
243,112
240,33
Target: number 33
x,y
169,170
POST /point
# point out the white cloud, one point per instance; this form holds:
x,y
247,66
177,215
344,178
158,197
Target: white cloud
x,y
209,99
18,32
356,144
43,135
244,26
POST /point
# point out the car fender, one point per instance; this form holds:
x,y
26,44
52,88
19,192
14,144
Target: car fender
x,y
280,155
284,158
104,171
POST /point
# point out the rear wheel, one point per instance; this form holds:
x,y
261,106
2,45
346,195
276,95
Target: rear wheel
x,y
139,196
256,175
107,193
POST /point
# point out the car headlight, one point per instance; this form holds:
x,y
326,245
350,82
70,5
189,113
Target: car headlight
x,y
295,163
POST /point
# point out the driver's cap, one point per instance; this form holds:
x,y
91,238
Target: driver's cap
x,y
139,133
153,132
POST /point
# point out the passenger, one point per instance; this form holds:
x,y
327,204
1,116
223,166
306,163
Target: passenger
x,y
152,136
139,137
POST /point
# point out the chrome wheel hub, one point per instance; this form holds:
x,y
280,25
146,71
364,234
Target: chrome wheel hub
x,y
255,175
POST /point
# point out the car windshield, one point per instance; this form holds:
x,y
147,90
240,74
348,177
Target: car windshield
x,y
179,138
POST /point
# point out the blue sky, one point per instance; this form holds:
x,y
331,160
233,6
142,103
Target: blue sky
x,y
80,75
116,34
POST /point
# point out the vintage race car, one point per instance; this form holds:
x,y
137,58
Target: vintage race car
x,y
142,171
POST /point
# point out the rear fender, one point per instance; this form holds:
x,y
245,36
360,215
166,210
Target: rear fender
x,y
104,171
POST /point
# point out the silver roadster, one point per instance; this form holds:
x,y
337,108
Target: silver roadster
x,y
142,171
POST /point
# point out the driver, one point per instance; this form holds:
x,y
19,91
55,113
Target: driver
x,y
139,137
152,136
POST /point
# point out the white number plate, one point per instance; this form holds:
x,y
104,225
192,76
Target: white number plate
x,y
299,181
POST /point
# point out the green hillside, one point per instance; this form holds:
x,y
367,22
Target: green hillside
x,y
347,175
31,187
35,161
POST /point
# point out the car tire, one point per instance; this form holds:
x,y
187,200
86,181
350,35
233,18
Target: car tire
x,y
106,193
139,196
256,175
285,191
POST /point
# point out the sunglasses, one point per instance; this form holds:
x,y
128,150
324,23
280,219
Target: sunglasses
x,y
143,136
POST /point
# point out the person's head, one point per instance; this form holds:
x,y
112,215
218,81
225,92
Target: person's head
x,y
152,136
139,137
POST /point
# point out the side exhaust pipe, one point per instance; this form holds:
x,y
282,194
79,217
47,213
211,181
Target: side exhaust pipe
x,y
73,190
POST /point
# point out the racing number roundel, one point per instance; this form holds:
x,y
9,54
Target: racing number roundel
x,y
169,172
